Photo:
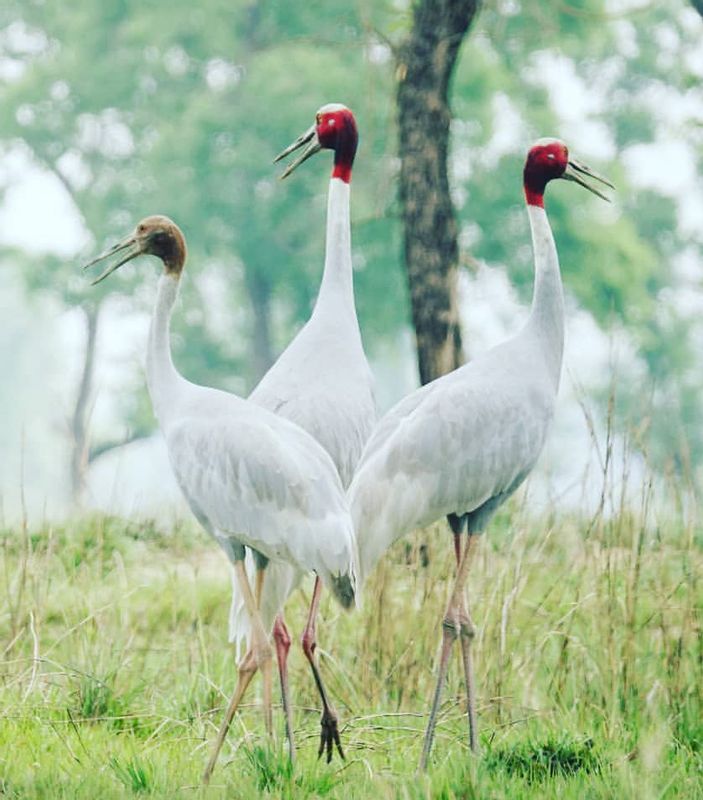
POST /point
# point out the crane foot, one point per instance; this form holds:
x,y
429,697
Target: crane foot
x,y
329,735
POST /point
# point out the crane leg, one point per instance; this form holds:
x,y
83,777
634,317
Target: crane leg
x,y
455,625
256,657
457,548
329,734
266,667
466,637
448,636
282,640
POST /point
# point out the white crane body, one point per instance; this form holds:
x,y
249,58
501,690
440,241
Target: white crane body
x,y
322,380
461,445
464,442
250,477
323,383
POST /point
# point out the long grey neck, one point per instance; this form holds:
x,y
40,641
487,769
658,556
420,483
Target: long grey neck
x,y
546,321
163,380
337,287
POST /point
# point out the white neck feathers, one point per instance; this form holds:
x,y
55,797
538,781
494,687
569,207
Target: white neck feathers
x,y
337,287
547,315
162,378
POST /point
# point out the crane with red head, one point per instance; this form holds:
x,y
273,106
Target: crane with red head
x,y
462,444
323,383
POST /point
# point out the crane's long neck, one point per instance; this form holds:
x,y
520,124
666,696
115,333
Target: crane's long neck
x,y
546,319
163,379
337,287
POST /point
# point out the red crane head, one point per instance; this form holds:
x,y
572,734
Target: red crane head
x,y
334,129
156,236
548,159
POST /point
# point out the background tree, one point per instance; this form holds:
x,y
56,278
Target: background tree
x,y
612,81
425,63
135,110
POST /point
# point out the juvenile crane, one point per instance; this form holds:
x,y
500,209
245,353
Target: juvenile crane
x,y
462,444
252,478
323,383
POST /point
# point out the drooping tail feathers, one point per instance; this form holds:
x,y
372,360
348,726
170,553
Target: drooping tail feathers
x,y
280,582
345,585
343,588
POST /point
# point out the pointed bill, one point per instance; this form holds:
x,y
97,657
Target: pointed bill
x,y
579,173
309,138
127,249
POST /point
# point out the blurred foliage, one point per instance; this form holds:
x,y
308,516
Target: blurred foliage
x,y
633,77
179,109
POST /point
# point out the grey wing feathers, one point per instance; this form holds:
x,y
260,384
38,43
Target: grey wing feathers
x,y
267,485
322,383
337,410
448,448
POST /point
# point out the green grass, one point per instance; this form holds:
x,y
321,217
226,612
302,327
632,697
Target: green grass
x,y
114,667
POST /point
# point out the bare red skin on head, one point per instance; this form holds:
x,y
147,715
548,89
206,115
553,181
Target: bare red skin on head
x,y
544,163
336,130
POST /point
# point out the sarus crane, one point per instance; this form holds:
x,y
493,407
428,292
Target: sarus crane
x,y
462,444
251,477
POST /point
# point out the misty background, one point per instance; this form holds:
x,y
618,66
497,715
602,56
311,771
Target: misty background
x,y
110,111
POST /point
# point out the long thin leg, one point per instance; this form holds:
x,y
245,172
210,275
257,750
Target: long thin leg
x,y
468,632
448,638
257,656
282,640
329,734
457,548
455,621
266,667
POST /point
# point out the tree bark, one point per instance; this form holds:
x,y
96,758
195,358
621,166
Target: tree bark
x,y
426,62
79,420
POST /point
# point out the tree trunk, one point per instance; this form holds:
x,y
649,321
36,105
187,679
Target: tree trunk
x,y
426,61
259,290
79,420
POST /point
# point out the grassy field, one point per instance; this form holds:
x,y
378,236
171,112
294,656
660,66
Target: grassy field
x,y
114,667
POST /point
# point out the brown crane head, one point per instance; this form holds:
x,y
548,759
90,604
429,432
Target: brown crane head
x,y
156,236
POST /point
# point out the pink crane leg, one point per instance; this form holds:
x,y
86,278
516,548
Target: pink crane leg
x,y
456,624
267,693
448,637
329,734
466,637
282,641
256,658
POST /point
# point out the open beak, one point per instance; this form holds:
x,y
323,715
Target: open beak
x,y
313,146
127,249
578,173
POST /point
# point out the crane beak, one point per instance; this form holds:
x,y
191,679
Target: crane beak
x,y
314,146
578,173
127,249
